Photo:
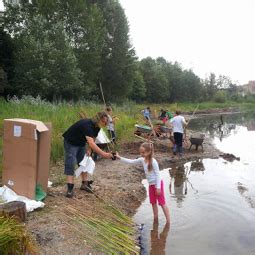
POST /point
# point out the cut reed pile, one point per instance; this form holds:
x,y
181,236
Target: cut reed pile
x,y
103,226
14,238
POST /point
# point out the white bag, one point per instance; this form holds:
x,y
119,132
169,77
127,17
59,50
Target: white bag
x,y
102,138
86,165
9,195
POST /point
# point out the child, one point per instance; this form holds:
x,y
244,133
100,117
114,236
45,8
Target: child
x,y
147,113
111,124
156,185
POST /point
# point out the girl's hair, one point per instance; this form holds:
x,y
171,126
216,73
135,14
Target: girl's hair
x,y
149,148
108,109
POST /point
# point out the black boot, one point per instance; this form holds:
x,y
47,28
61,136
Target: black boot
x,y
86,185
69,192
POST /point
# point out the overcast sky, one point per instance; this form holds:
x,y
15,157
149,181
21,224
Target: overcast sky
x,y
205,35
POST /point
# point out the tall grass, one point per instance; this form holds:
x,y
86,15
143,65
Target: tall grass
x,y
63,114
14,238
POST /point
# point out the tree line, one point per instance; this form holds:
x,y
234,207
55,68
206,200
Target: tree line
x,y
63,49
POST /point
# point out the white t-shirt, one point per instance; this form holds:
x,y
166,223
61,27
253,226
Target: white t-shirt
x,y
152,176
110,124
178,123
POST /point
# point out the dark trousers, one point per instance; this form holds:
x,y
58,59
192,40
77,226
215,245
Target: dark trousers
x,y
178,137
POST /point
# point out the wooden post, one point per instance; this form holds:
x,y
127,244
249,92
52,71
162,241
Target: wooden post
x,y
14,208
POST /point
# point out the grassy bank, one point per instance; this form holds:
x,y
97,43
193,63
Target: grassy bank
x,y
62,115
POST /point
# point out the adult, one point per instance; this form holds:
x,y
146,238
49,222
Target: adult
x,y
80,134
178,122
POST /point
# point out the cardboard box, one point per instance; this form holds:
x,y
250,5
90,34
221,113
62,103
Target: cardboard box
x,y
26,155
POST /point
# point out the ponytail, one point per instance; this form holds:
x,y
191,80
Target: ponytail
x,y
149,148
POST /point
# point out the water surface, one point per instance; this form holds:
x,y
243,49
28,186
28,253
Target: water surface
x,y
212,201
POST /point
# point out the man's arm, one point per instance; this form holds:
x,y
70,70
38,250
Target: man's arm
x,y
96,149
184,122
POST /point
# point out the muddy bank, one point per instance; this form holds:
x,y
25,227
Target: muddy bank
x,y
117,183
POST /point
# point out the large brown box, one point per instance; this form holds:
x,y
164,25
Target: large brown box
x,y
26,155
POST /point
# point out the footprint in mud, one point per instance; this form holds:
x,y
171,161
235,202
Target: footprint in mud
x,y
243,190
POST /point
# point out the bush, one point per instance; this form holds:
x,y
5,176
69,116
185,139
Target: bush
x,y
220,97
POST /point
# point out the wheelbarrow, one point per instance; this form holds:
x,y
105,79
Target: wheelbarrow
x,y
197,141
143,129
165,129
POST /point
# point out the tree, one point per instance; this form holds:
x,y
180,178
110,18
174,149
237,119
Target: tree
x,y
118,56
6,62
155,81
211,86
138,92
44,62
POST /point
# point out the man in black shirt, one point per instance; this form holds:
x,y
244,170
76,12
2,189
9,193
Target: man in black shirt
x,y
76,137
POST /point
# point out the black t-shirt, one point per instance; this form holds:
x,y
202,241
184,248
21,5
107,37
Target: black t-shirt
x,y
76,134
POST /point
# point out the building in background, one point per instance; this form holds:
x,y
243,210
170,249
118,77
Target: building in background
x,y
248,89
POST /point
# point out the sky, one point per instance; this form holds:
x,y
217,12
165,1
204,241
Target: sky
x,y
204,35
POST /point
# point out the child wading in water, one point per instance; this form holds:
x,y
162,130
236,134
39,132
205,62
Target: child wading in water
x,y
156,185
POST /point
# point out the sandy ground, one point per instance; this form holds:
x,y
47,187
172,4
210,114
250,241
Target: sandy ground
x,y
117,183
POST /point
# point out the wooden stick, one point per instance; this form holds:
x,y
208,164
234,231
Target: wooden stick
x,y
111,138
102,93
145,140
153,131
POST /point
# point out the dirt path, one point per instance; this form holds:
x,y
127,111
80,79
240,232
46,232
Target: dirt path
x,y
114,181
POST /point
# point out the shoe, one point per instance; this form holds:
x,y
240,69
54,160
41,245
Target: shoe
x,y
87,186
69,194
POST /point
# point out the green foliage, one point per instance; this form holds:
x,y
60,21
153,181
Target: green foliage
x,y
45,64
165,81
118,56
220,97
14,238
63,49
6,62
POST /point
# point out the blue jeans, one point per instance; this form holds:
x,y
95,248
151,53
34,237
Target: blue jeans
x,y
73,155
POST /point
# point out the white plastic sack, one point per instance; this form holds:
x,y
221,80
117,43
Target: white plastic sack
x,y
102,138
9,195
49,184
86,165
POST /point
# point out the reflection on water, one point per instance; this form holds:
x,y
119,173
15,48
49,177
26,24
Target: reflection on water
x,y
212,201
244,192
158,241
179,182
221,126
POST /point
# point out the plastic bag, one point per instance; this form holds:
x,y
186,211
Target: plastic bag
x,y
9,195
86,165
102,138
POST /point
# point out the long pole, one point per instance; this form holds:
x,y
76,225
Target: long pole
x,y
102,93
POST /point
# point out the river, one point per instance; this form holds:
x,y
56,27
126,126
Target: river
x,y
211,201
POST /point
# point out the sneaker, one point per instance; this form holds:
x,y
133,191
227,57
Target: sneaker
x,y
69,194
87,186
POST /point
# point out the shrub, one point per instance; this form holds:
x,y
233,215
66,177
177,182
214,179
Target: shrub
x,y
220,97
